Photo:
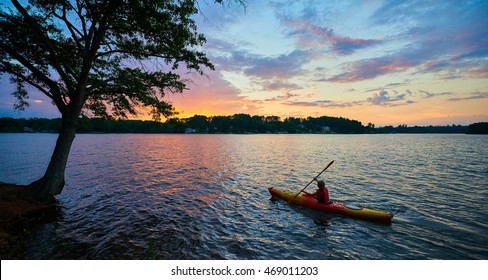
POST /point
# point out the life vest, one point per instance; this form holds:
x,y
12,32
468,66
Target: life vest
x,y
322,195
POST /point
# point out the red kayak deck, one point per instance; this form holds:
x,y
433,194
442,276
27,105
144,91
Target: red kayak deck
x,y
332,207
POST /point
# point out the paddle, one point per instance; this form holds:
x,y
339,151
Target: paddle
x,y
330,163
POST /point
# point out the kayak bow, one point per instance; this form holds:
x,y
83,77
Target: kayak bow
x,y
332,207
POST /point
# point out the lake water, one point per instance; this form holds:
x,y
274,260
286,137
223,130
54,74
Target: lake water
x,y
205,196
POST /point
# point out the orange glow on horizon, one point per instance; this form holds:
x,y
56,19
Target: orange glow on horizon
x,y
429,112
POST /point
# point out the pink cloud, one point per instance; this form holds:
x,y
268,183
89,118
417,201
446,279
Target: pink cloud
x,y
310,36
279,86
473,95
478,74
370,68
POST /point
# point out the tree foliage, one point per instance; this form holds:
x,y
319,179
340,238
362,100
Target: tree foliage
x,y
478,128
107,57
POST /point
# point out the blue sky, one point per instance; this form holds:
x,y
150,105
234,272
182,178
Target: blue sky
x,y
384,62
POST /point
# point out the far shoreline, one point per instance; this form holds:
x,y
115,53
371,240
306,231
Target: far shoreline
x,y
236,124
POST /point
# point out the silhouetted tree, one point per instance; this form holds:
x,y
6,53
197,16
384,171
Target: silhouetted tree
x,y
478,128
198,122
241,123
221,124
105,57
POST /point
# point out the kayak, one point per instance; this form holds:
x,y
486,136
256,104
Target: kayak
x,y
332,207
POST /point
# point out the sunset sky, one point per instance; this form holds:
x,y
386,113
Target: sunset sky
x,y
384,62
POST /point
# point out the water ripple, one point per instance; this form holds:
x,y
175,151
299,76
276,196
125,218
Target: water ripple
x,y
205,196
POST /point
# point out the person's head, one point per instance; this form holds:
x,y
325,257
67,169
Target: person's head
x,y
320,184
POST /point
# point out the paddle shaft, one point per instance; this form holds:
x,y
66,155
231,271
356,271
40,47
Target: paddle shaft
x,y
330,163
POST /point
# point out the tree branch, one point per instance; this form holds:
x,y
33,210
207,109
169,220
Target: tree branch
x,y
78,10
30,82
71,28
95,38
41,76
57,65
55,91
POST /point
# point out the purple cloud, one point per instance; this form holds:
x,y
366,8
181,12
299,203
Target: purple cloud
x,y
384,98
230,57
285,96
453,45
282,67
371,68
308,35
279,86
324,103
430,94
474,95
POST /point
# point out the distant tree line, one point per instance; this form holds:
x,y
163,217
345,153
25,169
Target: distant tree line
x,y
423,129
475,128
244,123
238,123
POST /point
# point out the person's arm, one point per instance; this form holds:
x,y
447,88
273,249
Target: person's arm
x,y
315,179
309,193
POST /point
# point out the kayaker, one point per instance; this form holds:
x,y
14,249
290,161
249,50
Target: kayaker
x,y
322,193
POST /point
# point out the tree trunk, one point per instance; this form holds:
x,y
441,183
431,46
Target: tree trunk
x,y
52,182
